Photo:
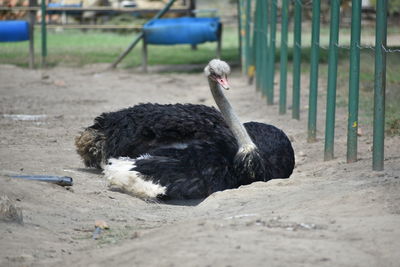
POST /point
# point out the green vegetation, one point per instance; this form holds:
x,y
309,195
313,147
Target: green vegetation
x,y
393,6
367,86
78,48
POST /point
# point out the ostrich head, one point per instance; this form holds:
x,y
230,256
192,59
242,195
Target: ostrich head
x,y
217,71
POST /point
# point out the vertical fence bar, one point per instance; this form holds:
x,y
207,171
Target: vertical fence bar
x,y
264,49
271,52
44,33
239,14
332,78
250,58
354,81
312,104
284,53
296,60
267,50
260,50
252,70
243,28
380,85
257,46
248,36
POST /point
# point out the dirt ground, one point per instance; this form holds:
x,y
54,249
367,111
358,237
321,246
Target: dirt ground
x,y
327,214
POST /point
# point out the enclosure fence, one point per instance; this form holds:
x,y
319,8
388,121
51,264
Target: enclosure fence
x,y
258,21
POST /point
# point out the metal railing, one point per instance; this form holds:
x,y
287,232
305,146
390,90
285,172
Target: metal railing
x,y
258,44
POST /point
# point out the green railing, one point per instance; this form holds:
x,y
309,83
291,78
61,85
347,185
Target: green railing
x,y
258,45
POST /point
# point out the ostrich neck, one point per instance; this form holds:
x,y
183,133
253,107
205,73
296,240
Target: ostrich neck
x,y
237,128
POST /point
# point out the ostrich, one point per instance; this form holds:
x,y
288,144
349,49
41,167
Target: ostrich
x,y
184,151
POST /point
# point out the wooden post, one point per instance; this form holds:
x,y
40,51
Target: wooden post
x,y
219,41
192,7
144,55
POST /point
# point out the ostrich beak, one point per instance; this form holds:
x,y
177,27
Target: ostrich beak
x,y
223,81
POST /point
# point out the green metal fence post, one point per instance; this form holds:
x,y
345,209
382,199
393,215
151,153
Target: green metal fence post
x,y
380,85
354,81
296,60
44,33
260,49
257,45
312,105
332,78
267,69
283,61
250,37
247,35
240,36
271,52
252,70
264,47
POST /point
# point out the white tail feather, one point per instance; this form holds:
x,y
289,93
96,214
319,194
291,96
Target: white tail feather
x,y
120,176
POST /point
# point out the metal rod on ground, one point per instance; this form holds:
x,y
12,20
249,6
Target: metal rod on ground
x,y
140,36
271,48
59,180
284,53
312,105
44,33
380,85
296,60
354,81
332,79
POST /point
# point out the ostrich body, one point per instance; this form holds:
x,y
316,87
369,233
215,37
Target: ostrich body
x,y
185,151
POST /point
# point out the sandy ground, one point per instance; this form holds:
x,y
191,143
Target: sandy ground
x,y
326,214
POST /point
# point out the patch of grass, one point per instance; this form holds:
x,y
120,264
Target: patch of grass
x,y
78,48
366,100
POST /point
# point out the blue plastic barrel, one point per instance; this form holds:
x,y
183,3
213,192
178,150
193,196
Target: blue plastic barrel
x,y
184,30
14,31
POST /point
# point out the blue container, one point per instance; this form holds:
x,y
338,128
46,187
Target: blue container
x,y
184,30
14,31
